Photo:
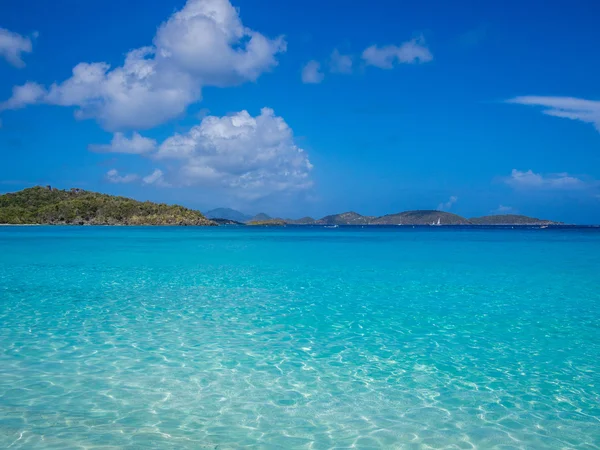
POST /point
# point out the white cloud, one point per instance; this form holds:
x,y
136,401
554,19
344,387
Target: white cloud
x,y
156,178
12,46
410,52
311,72
203,44
113,176
24,95
447,205
340,63
136,145
504,210
566,107
248,156
531,180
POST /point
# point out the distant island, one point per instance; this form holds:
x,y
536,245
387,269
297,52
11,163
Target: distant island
x,y
227,214
220,221
419,217
268,222
510,219
48,205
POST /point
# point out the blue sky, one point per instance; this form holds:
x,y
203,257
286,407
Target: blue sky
x,y
307,108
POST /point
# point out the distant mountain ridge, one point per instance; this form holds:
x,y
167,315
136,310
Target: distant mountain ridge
x,y
260,217
227,213
416,217
226,222
236,216
510,219
47,205
301,221
269,222
421,217
347,218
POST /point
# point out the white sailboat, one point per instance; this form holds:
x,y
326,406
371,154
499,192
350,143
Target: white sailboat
x,y
436,224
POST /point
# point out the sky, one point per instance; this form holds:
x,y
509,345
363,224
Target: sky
x,y
307,107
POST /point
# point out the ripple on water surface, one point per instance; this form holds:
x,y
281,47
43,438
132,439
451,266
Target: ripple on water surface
x,y
193,338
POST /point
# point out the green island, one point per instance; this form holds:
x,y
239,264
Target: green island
x,y
48,205
52,206
419,217
268,222
510,219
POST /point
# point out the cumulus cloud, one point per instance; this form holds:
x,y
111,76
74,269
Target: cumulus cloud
x,y
410,52
136,145
156,178
249,156
311,72
448,205
340,63
12,46
24,95
113,176
587,111
530,180
203,44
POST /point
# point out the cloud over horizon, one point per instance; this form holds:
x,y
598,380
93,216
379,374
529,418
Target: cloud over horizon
x,y
203,44
445,206
530,180
246,156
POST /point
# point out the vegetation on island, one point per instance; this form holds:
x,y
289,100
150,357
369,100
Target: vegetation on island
x,y
424,217
269,222
228,214
47,205
418,217
347,218
510,219
301,221
260,217
219,221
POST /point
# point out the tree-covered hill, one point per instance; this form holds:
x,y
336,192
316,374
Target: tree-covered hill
x,y
47,205
421,217
510,219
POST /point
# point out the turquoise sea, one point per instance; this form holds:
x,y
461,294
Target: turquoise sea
x,y
299,338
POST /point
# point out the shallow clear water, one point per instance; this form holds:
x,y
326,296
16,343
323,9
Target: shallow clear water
x,y
299,338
